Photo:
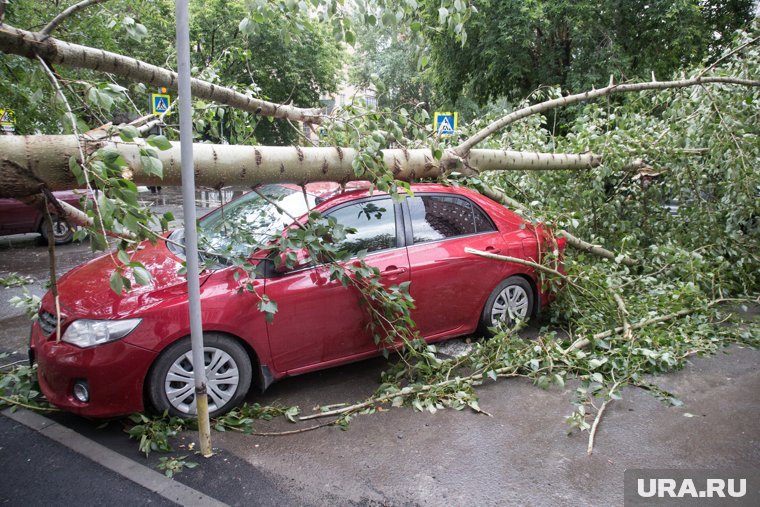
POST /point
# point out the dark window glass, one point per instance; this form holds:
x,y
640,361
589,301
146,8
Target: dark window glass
x,y
375,225
438,217
482,223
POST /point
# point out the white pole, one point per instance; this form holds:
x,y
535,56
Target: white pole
x,y
191,234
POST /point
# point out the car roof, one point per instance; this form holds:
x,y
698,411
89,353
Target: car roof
x,y
355,190
327,189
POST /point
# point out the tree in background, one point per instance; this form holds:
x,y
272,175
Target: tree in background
x,y
265,59
386,56
515,46
264,63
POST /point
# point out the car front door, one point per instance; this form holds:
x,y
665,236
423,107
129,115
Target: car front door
x,y
319,321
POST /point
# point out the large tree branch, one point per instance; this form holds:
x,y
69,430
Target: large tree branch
x,y
573,241
25,161
29,44
463,149
66,13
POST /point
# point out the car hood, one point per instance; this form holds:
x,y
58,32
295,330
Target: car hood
x,y
85,291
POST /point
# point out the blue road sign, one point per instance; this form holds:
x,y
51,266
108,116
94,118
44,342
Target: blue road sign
x,y
160,102
445,123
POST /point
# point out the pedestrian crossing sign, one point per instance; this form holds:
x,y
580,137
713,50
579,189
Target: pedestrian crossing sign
x,y
7,121
445,123
160,102
7,117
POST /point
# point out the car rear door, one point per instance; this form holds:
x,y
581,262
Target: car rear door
x,y
17,217
448,285
320,321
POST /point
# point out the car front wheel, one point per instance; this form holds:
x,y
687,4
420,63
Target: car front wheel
x,y
171,384
512,299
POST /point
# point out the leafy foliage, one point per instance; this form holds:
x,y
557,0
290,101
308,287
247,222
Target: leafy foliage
x,y
28,302
14,280
173,465
516,46
154,433
19,388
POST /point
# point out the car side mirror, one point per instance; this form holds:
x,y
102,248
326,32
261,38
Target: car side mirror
x,y
291,260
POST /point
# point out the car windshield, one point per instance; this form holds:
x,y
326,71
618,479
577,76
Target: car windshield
x,y
239,227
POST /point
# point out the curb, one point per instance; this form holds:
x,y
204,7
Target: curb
x,y
103,456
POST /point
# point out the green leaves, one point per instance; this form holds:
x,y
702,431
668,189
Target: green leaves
x,y
116,282
19,386
171,465
150,162
153,433
267,306
159,142
128,133
134,29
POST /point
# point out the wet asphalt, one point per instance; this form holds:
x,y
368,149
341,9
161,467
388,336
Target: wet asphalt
x,y
520,455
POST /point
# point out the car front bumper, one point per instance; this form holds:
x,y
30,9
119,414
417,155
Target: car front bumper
x,y
114,374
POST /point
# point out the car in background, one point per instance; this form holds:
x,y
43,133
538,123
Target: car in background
x,y
119,353
19,218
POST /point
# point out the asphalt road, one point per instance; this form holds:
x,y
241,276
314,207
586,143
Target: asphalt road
x,y
521,455
40,471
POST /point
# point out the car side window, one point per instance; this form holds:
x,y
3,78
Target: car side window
x,y
375,224
436,217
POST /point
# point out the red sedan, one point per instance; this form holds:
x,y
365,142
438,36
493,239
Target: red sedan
x,y
119,352
19,218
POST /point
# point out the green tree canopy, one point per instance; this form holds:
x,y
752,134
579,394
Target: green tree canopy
x,y
264,63
516,46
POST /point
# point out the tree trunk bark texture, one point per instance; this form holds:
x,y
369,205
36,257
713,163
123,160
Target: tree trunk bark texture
x,y
26,162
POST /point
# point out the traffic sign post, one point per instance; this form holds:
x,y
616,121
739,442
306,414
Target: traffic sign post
x,y
445,123
7,121
160,102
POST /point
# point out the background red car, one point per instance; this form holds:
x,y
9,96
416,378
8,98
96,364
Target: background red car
x,y
19,218
119,351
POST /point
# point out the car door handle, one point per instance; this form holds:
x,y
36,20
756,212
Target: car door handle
x,y
393,271
493,250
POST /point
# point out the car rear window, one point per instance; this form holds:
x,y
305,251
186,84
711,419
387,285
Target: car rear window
x,y
436,217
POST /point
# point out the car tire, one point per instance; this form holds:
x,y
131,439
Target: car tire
x,y
171,386
516,293
62,232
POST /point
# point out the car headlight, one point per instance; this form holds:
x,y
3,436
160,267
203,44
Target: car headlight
x,y
88,333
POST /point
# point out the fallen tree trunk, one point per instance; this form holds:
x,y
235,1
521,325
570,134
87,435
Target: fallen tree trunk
x,y
26,161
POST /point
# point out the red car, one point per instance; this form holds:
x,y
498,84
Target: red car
x,y
119,352
19,218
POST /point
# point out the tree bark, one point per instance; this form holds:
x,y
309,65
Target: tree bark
x,y
26,161
29,44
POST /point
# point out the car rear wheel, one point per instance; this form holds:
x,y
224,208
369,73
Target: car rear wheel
x,y
62,232
512,298
171,385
